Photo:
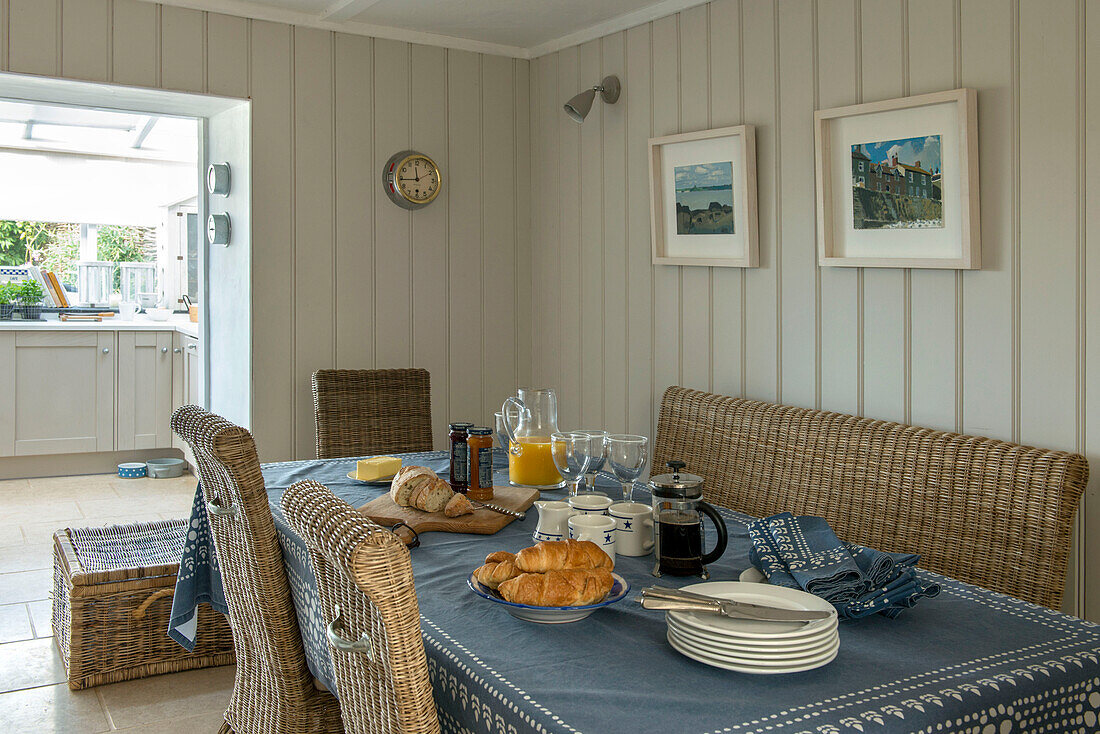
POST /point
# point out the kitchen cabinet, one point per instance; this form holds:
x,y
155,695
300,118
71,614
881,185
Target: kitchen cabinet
x,y
144,390
186,382
59,391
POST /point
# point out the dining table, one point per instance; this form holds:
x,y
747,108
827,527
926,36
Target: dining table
x,y
969,660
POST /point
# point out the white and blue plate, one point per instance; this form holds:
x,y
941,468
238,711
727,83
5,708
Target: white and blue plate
x,y
380,482
551,615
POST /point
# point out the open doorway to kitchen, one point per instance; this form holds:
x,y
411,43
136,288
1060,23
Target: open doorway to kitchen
x,y
109,202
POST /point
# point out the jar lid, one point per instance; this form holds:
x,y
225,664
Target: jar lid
x,y
460,426
678,484
480,431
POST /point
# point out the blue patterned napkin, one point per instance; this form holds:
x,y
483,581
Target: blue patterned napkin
x,y
804,553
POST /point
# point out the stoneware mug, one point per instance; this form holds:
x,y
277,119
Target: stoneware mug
x,y
633,528
590,503
600,529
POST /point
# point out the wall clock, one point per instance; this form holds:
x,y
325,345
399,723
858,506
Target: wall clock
x,y
411,179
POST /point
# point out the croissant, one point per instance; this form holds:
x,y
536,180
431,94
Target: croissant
x,y
494,574
557,555
558,588
498,556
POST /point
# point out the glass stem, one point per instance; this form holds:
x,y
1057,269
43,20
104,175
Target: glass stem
x,y
577,486
628,491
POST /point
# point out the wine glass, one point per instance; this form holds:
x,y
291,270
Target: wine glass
x,y
570,452
597,450
627,456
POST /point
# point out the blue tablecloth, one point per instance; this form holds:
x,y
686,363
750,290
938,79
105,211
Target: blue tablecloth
x,y
968,660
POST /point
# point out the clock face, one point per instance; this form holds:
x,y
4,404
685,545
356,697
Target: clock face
x,y
417,178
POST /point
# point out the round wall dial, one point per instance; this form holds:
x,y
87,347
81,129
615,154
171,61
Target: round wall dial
x,y
412,180
218,229
218,179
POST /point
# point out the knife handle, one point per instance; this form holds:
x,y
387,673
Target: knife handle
x,y
651,602
665,592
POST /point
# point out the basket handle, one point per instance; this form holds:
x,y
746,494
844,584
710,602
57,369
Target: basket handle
x,y
139,613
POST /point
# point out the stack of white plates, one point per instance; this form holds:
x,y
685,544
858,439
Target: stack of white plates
x,y
754,646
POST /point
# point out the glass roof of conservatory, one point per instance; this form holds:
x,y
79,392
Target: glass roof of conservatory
x,y
48,128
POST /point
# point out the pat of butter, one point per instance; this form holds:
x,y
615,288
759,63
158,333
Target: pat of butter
x,y
378,467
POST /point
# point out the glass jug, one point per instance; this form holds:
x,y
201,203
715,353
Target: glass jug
x,y
678,510
530,463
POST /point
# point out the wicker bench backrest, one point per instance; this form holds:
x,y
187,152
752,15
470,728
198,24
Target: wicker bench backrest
x,y
988,512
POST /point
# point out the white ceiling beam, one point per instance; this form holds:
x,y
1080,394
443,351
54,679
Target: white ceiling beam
x,y
140,135
345,9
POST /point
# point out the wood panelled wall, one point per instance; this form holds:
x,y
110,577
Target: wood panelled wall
x,y
341,276
999,352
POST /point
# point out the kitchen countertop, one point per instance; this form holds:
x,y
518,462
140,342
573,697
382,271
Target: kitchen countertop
x,y
178,323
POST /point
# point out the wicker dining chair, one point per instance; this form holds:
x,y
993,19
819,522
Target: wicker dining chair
x,y
365,412
273,692
365,582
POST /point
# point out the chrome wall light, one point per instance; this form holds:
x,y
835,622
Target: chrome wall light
x,y
578,107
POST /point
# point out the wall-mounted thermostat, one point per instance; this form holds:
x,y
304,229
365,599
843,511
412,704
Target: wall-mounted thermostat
x,y
218,229
217,179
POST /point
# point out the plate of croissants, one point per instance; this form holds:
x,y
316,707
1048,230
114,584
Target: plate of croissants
x,y
553,582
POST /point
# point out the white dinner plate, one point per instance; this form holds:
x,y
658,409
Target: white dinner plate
x,y
550,615
764,594
382,481
786,649
752,575
754,667
761,662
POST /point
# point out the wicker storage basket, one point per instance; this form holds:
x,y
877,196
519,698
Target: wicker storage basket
x,y
112,599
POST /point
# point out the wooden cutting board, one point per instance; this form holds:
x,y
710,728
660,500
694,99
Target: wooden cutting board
x,y
386,512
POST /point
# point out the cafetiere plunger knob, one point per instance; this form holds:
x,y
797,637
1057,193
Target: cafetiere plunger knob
x,y
676,465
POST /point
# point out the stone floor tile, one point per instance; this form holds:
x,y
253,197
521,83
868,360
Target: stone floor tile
x,y
26,557
42,509
11,534
42,617
25,586
168,697
52,710
15,623
29,664
209,721
72,487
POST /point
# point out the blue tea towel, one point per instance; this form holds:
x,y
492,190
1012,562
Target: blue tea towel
x,y
804,553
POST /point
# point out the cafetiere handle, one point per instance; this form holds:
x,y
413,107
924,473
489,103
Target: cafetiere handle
x,y
720,526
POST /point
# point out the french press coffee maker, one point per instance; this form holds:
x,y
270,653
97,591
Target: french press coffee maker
x,y
678,510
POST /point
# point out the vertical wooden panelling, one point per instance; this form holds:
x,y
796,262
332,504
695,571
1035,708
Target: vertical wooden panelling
x,y
33,42
1090,202
85,39
498,226
227,55
725,110
523,294
275,386
135,43
837,84
547,281
884,302
933,369
761,337
666,278
357,180
314,333
430,312
392,269
182,51
568,319
615,287
1048,225
695,310
798,253
464,206
3,57
988,294
589,275
638,98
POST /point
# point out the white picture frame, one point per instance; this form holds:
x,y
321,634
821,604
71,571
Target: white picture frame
x,y
945,122
709,151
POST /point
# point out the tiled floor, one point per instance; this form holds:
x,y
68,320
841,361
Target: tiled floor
x,y
33,693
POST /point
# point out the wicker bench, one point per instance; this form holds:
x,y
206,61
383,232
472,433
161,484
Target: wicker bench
x,y
989,512
112,599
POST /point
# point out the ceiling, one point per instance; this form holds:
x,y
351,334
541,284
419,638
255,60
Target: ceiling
x,y
520,28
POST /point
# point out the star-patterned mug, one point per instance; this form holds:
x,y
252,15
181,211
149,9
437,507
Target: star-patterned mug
x,y
634,528
600,529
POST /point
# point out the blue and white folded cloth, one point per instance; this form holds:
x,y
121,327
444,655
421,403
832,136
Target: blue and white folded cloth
x,y
804,553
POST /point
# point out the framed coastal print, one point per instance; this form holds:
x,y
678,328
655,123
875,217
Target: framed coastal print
x,y
703,198
897,183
